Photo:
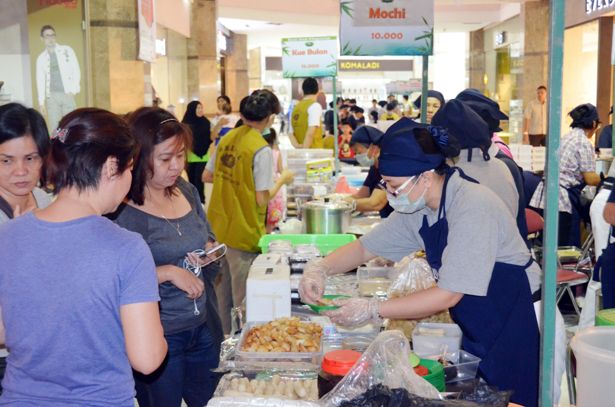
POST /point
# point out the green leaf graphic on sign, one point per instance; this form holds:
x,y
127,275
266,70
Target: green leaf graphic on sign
x,y
309,44
427,37
346,9
285,51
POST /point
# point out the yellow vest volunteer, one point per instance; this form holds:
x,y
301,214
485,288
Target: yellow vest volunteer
x,y
299,122
235,217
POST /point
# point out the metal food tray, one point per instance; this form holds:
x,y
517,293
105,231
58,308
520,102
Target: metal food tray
x,y
310,358
569,254
266,375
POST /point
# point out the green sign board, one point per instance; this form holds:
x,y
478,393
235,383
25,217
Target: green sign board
x,y
309,56
386,27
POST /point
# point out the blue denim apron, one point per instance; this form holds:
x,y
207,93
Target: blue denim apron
x,y
579,213
604,271
501,327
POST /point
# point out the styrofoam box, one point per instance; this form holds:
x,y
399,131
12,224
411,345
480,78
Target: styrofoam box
x,y
427,345
268,293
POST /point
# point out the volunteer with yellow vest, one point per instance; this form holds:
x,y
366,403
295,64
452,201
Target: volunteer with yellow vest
x,y
306,119
237,212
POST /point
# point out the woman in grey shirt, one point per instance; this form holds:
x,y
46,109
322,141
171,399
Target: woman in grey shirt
x,y
24,144
167,212
484,272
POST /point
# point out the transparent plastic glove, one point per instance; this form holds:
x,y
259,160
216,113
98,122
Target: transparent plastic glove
x,y
355,312
312,285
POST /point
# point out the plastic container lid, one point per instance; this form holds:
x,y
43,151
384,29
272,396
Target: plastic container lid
x,y
339,362
605,317
436,374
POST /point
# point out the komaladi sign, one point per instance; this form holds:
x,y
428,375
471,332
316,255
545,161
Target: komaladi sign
x,y
386,27
310,56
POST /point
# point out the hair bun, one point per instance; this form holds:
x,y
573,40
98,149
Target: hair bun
x,y
440,134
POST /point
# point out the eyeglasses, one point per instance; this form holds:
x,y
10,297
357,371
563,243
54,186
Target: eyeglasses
x,y
49,36
383,184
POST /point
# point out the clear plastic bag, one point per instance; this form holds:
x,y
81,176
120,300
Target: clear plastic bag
x,y
385,362
414,275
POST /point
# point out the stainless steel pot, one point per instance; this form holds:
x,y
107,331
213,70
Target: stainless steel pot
x,y
326,217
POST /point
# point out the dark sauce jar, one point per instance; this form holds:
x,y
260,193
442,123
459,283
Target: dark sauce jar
x,y
335,365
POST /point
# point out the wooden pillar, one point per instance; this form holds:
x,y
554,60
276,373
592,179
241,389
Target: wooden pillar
x,y
203,74
603,84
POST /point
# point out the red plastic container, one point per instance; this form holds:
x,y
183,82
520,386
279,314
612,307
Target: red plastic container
x,y
335,365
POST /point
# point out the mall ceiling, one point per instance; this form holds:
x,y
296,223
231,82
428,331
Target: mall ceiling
x,y
267,21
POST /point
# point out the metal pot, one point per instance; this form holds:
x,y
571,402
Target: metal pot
x,y
326,217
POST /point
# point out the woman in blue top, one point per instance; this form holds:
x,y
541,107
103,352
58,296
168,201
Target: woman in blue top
x,y
166,210
78,294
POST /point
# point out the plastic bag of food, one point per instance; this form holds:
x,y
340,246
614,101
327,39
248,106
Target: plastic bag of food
x,y
414,275
385,362
382,396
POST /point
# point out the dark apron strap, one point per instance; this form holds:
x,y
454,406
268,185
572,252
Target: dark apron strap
x,y
6,208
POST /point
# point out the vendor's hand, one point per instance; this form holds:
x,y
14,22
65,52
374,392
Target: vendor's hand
x,y
287,177
355,312
348,199
186,281
312,285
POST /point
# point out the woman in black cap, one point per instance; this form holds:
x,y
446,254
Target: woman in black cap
x,y
577,169
371,197
485,274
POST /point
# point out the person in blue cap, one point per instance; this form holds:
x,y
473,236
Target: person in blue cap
x,y
490,112
371,197
476,153
577,169
606,135
435,100
485,275
477,157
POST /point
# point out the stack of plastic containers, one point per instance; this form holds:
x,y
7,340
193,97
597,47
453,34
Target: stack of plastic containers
x,y
296,160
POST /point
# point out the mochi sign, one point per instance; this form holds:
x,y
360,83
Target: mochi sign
x,y
386,27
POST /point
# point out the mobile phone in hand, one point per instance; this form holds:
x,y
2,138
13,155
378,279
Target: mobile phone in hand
x,y
214,253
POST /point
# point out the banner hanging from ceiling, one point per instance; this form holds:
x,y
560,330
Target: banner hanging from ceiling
x,y
386,27
147,30
57,53
309,57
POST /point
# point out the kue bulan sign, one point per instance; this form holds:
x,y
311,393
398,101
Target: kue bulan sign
x,y
309,56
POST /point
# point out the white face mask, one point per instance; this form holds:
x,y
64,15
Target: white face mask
x,y
364,160
403,204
